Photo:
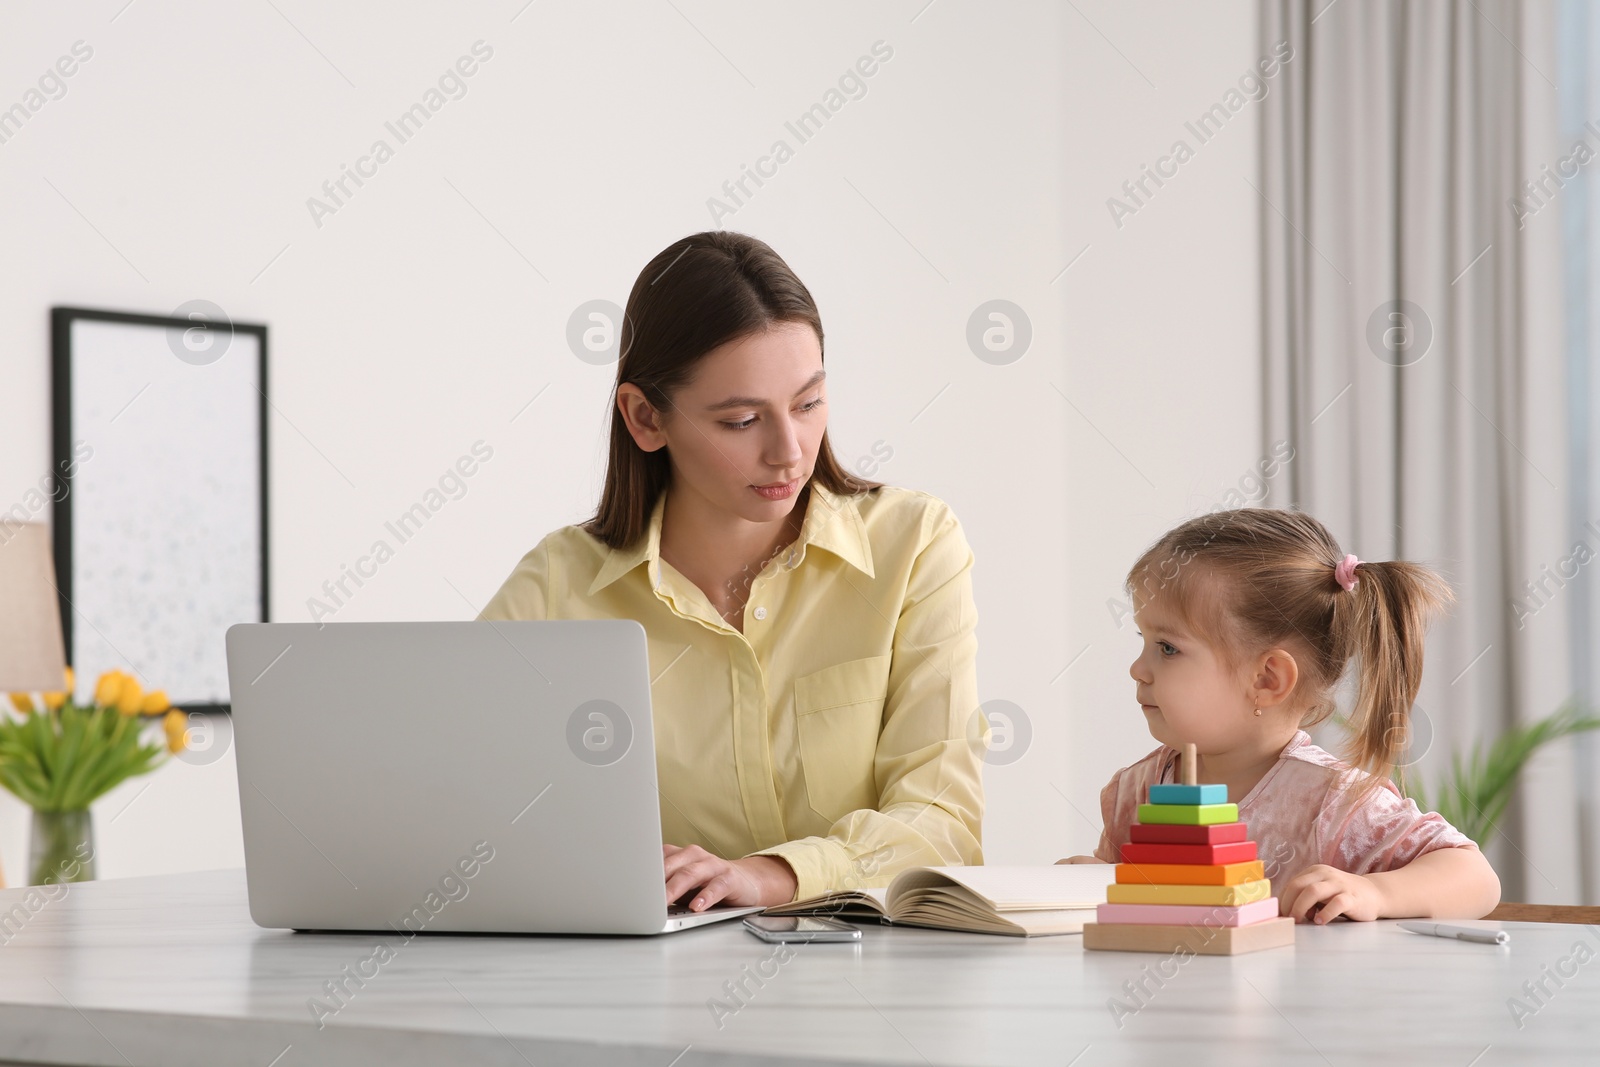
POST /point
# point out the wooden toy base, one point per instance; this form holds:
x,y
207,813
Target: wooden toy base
x,y
1200,940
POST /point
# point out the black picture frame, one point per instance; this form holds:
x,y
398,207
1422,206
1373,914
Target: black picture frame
x,y
68,472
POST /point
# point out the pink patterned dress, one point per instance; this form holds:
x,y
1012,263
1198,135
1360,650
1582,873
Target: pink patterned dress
x,y
1298,814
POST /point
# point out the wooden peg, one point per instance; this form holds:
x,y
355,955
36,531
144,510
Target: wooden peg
x,y
1189,765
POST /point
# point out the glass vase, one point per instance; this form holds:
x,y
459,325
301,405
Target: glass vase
x,y
61,848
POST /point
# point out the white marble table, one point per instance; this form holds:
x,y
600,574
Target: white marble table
x,y
171,970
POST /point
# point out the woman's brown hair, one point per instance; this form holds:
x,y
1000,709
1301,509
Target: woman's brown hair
x,y
1251,579
697,294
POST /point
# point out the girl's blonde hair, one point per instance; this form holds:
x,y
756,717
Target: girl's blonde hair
x,y
1251,579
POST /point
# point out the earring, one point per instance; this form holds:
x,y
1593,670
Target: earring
x,y
1258,713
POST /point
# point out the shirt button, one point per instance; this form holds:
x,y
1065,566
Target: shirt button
x,y
761,613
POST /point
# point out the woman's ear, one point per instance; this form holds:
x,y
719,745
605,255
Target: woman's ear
x,y
1275,678
642,420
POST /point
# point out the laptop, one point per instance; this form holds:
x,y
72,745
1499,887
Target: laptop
x,y
450,777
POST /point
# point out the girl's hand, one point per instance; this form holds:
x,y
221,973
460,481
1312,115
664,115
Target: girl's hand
x,y
1081,859
764,880
1321,893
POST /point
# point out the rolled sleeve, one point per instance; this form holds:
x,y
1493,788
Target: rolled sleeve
x,y
1381,830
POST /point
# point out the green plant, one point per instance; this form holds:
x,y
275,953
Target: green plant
x,y
1473,794
63,756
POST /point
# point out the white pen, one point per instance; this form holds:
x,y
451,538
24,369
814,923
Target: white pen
x,y
1460,933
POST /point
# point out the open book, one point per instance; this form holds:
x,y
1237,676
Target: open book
x,y
1019,901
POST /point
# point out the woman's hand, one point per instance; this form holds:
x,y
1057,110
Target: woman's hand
x,y
1081,859
1320,894
764,880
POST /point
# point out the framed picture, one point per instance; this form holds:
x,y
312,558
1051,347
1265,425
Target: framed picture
x,y
160,448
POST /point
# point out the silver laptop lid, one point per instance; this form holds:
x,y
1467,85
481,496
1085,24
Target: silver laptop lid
x,y
494,777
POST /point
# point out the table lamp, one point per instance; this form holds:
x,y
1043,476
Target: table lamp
x,y
32,658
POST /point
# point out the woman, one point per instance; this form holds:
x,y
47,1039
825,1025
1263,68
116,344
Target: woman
x,y
811,634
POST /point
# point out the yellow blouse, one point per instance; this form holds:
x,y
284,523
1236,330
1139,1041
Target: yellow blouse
x,y
841,729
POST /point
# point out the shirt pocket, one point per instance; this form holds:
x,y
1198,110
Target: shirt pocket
x,y
839,714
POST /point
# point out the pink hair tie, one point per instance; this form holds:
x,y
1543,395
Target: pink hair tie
x,y
1345,572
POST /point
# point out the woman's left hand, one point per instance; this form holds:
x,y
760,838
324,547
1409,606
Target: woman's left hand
x,y
1320,893
764,880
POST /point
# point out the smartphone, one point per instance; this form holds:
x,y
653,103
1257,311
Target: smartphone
x,y
800,928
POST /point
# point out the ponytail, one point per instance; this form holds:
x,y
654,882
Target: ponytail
x,y
1384,618
1284,580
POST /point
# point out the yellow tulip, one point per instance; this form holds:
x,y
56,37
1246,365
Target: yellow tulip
x,y
53,701
22,702
176,724
107,688
154,703
130,696
72,682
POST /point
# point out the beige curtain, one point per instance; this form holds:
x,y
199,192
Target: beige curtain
x,y
1413,353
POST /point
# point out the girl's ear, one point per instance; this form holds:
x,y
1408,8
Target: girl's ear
x,y
1275,678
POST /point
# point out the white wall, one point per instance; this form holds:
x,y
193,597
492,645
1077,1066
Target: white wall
x,y
432,306
1159,350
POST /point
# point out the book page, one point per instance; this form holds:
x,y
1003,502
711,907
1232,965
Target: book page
x,y
1017,888
856,900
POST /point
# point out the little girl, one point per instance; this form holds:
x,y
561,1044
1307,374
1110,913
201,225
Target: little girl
x,y
1249,618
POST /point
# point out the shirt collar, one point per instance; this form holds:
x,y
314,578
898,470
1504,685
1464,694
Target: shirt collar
x,y
833,523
